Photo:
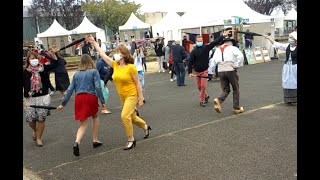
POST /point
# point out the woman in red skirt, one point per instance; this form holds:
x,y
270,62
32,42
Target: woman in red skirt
x,y
87,87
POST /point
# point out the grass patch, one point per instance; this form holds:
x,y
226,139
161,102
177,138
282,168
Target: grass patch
x,y
72,58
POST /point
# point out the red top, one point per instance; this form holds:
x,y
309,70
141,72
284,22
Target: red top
x,y
44,60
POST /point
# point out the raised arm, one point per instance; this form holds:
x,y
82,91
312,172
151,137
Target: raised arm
x,y
282,46
102,54
218,40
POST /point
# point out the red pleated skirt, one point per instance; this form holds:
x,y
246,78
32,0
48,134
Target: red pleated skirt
x,y
85,105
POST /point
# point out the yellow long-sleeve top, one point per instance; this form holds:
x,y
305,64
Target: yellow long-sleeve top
x,y
122,78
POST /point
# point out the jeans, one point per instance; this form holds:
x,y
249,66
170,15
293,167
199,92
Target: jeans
x,y
180,72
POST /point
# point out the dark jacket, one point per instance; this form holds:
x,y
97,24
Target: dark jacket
x,y
45,80
178,53
60,63
159,49
103,68
199,56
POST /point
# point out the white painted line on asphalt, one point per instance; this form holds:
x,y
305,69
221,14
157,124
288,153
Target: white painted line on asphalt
x,y
165,135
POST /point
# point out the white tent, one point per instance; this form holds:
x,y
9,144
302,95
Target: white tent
x,y
223,10
278,15
133,26
134,23
55,35
284,24
167,5
87,27
211,18
292,15
54,30
168,26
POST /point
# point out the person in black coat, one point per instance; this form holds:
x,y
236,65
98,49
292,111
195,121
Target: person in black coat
x,y
35,92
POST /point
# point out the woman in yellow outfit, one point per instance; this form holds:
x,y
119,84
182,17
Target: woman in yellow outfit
x,y
125,77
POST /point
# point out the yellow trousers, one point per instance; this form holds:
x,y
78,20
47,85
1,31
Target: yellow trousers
x,y
128,115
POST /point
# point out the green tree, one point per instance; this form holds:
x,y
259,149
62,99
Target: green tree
x,y
110,13
67,12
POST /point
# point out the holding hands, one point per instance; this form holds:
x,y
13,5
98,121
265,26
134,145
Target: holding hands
x,y
89,38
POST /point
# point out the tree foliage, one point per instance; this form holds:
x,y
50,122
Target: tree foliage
x,y
67,12
267,6
110,13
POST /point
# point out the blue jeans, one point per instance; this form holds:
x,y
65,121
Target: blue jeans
x,y
180,72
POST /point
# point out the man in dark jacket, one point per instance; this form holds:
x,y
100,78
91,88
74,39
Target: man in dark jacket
x,y
178,55
200,62
159,50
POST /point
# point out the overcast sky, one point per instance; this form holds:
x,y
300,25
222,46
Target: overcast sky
x,y
26,2
154,5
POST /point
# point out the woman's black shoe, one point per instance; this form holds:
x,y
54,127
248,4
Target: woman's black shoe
x,y
96,144
147,132
76,149
130,147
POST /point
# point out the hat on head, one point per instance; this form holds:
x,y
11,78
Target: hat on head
x,y
228,39
294,35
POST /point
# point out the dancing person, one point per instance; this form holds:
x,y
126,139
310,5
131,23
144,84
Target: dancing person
x,y
200,62
46,61
35,91
103,69
289,70
248,39
126,79
87,87
159,50
228,58
61,75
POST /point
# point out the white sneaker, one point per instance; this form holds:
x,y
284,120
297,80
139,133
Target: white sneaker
x,y
169,72
171,79
159,71
174,78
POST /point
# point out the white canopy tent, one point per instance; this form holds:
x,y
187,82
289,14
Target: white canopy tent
x,y
168,27
87,27
166,5
54,30
211,18
133,25
278,15
54,35
292,15
223,10
284,24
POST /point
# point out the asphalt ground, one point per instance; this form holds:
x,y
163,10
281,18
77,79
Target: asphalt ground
x,y
186,141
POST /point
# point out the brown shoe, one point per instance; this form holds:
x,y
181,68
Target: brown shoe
x,y
217,105
39,143
237,111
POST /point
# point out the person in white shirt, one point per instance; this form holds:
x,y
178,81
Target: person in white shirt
x,y
228,58
137,56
